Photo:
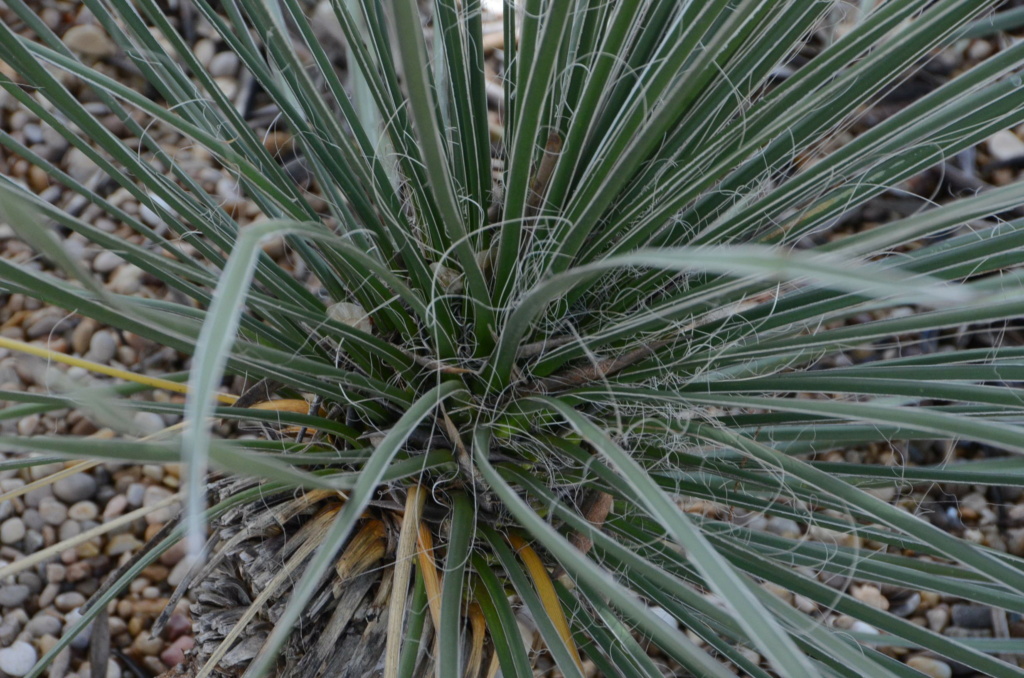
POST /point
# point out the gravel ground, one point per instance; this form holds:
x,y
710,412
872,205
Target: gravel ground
x,y
38,512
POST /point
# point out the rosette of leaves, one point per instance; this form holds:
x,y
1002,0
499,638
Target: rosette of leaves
x,y
535,374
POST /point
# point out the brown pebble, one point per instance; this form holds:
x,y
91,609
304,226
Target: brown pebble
x,y
151,530
78,571
154,665
149,607
174,554
49,593
84,427
122,543
278,142
87,550
146,645
135,625
115,507
46,643
124,608
38,180
155,573
177,626
55,573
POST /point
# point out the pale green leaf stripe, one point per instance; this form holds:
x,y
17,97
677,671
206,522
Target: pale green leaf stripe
x,y
358,499
213,348
719,575
588,571
753,261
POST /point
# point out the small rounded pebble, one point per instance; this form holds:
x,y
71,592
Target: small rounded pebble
x,y
907,606
115,507
147,645
75,488
32,519
102,347
930,667
1005,145
79,166
871,595
177,626
27,425
135,494
31,580
149,422
154,471
49,593
154,495
18,659
81,641
224,64
179,571
13,595
122,543
784,527
8,632
69,529
106,261
55,573
972,616
863,627
83,510
175,653
44,624
126,279
12,531
89,40
66,602
52,511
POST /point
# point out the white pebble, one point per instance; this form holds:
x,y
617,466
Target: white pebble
x,y
12,531
106,261
149,422
126,280
1005,145
154,495
18,659
149,217
224,64
930,667
89,40
352,315
136,493
102,347
75,488
863,627
79,166
83,510
52,511
872,596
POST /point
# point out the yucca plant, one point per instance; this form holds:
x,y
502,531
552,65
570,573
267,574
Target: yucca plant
x,y
541,367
